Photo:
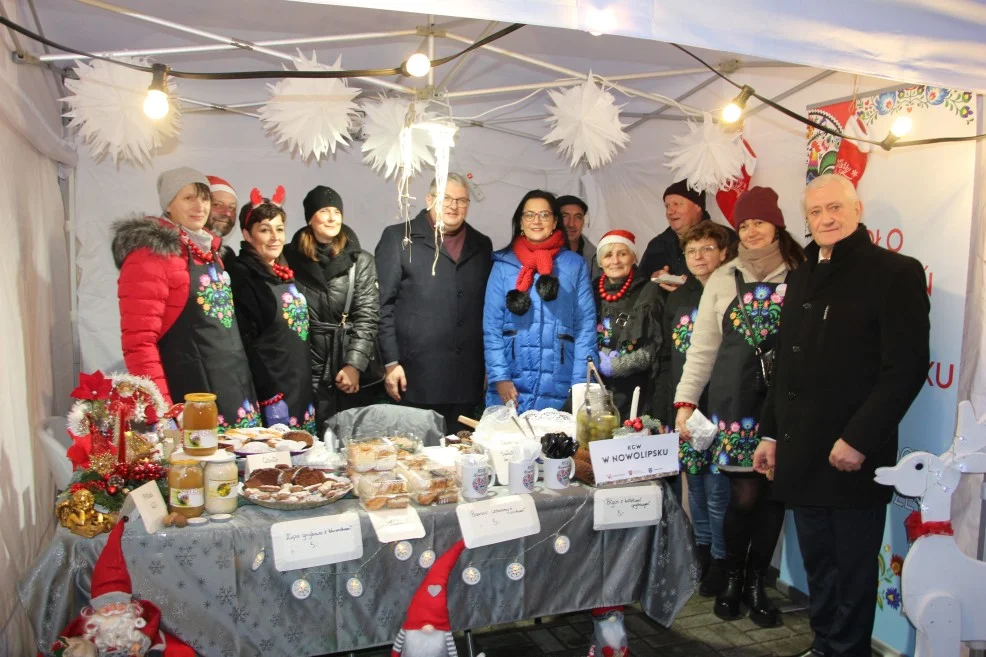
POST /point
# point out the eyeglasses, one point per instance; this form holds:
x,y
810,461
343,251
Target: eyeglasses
x,y
544,215
448,202
700,251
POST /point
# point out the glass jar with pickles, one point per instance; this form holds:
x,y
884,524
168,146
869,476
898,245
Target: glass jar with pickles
x,y
598,417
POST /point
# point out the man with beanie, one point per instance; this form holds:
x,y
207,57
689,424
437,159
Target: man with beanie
x,y
431,324
222,215
573,211
684,209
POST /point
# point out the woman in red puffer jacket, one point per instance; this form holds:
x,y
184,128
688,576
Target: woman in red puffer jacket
x,y
176,308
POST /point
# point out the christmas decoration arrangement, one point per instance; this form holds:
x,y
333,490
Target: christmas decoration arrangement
x,y
708,156
651,425
585,122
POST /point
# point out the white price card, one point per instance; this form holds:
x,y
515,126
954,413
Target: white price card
x,y
396,524
320,541
634,458
627,506
147,503
269,460
497,520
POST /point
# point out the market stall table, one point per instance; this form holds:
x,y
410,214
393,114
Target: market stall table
x,y
203,580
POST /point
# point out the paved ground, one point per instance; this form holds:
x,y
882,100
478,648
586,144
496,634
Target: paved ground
x,y
696,631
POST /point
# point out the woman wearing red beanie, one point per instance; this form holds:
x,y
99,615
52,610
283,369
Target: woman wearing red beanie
x,y
735,331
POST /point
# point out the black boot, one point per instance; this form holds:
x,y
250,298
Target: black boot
x,y
762,610
704,555
728,602
715,579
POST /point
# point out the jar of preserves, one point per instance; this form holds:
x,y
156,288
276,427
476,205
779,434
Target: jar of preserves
x,y
221,479
186,482
598,418
200,421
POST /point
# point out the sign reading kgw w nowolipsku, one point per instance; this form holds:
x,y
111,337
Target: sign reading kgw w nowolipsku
x,y
634,458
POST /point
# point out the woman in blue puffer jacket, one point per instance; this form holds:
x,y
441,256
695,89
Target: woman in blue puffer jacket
x,y
537,341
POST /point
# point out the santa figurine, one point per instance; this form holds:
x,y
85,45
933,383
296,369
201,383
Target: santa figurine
x,y
426,631
115,624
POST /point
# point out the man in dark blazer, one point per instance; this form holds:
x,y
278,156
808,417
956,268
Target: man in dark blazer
x,y
852,355
431,326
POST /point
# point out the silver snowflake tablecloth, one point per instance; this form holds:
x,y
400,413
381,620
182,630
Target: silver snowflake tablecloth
x,y
201,578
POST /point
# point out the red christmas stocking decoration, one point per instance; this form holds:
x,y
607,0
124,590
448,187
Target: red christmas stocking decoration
x,y
726,198
851,160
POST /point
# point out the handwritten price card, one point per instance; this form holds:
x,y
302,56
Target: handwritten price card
x,y
497,520
396,524
312,542
627,506
146,502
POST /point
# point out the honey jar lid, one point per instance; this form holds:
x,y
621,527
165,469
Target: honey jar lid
x,y
200,397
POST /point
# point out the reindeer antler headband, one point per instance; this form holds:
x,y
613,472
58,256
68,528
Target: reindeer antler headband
x,y
257,199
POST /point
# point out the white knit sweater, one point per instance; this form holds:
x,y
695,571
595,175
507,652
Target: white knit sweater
x,y
717,298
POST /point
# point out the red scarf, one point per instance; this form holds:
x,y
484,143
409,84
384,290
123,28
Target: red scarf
x,y
537,256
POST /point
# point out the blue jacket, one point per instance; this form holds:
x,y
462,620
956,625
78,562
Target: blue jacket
x,y
542,351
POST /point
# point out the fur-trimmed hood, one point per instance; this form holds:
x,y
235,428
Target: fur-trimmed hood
x,y
137,231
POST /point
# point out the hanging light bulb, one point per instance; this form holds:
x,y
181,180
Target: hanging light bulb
x,y
156,105
900,127
732,112
417,65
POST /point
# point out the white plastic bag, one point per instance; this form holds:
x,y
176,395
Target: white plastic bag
x,y
702,430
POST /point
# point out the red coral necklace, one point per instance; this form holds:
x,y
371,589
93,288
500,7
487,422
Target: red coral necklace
x,y
282,272
194,248
619,294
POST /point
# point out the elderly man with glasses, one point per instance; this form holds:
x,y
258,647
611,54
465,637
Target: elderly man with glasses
x,y
431,325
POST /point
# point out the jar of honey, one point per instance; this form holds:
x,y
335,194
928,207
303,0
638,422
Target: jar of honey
x,y
221,479
200,421
186,482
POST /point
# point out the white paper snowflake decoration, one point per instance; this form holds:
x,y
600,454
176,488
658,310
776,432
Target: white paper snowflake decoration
x,y
585,122
386,148
107,108
312,115
442,134
708,156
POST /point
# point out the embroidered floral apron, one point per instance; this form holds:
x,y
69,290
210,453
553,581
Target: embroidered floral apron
x,y
692,462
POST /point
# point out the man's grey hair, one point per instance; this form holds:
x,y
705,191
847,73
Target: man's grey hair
x,y
825,180
452,177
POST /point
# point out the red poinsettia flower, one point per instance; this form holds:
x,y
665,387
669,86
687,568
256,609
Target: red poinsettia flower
x,y
93,386
78,452
897,564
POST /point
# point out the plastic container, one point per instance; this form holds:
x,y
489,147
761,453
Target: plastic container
x,y
200,423
186,483
381,483
221,479
377,454
378,502
431,478
427,498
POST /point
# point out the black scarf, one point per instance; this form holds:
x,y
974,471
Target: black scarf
x,y
333,266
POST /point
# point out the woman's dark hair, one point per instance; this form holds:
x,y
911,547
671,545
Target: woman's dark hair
x,y
707,230
262,212
791,251
534,193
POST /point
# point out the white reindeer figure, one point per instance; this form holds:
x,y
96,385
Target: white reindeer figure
x,y
943,591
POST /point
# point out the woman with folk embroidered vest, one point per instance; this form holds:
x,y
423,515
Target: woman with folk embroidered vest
x,y
176,308
537,340
273,316
333,272
736,328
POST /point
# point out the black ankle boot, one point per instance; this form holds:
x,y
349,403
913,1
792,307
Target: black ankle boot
x,y
728,602
704,555
715,579
762,610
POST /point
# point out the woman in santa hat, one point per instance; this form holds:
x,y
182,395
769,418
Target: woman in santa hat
x,y
273,316
176,307
628,316
539,315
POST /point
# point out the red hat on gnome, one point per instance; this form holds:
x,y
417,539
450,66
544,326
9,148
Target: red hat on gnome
x,y
111,584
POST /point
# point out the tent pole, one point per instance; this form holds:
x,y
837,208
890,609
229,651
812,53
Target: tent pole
x,y
205,106
496,128
431,49
515,87
462,60
228,46
227,40
793,90
657,113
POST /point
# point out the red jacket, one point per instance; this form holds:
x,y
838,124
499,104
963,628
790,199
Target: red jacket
x,y
152,289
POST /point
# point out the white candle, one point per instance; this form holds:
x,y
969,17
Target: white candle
x,y
635,402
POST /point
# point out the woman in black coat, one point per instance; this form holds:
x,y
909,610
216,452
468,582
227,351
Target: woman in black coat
x,y
329,264
272,316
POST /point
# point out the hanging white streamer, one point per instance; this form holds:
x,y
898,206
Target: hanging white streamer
x,y
442,140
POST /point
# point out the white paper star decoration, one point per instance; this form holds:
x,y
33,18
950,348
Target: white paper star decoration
x,y
586,122
384,121
311,115
708,156
107,108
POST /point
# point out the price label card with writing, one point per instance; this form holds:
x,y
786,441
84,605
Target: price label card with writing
x,y
271,460
146,502
312,542
637,457
497,520
627,506
396,524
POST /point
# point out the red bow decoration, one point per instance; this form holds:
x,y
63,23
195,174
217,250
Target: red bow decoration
x,y
916,527
93,386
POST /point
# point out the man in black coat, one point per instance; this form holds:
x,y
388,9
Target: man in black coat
x,y
852,355
431,326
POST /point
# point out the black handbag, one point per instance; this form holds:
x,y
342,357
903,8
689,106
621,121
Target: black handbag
x,y
767,357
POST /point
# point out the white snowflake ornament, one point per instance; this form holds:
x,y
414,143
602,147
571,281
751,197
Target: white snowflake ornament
x,y
585,122
383,125
310,115
107,109
708,156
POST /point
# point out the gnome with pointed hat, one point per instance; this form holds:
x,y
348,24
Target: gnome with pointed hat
x,y
426,631
115,624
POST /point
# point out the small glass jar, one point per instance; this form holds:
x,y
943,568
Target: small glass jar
x,y
221,479
186,482
200,422
598,417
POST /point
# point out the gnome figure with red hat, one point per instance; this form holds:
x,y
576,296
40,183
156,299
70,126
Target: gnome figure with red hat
x,y
426,631
115,624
